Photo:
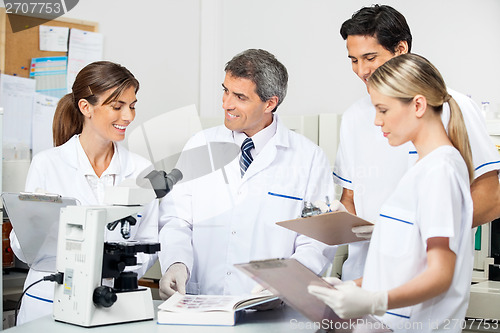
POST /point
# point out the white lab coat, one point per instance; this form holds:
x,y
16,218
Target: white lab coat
x,y
369,166
220,219
57,170
432,200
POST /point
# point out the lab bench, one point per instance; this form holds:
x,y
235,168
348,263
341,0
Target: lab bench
x,y
284,319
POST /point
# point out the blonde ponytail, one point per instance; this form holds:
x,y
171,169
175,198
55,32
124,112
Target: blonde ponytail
x,y
457,132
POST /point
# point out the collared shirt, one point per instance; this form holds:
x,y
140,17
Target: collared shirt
x,y
98,184
260,139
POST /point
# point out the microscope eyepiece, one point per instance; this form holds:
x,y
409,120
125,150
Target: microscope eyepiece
x,y
163,182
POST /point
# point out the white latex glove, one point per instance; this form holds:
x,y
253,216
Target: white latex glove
x,y
337,206
322,206
335,281
173,280
363,231
350,301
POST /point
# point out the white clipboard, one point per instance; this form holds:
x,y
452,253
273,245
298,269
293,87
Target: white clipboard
x,y
35,221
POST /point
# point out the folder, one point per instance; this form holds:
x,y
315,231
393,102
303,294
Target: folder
x,y
330,228
35,220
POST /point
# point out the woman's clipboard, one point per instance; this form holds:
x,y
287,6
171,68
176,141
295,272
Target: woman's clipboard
x,y
289,279
332,228
35,221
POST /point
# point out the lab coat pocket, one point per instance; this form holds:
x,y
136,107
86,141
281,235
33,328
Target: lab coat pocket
x,y
397,228
397,319
284,203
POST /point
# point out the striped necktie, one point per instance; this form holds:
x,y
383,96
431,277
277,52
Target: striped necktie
x,y
246,158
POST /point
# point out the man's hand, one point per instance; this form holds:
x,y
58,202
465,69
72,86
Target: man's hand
x,y
323,207
337,206
173,280
351,301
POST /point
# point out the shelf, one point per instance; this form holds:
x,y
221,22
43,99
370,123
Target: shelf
x,y
13,283
14,275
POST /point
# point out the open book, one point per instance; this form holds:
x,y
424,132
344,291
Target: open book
x,y
207,309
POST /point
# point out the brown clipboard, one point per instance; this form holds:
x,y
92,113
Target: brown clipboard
x,y
330,228
289,279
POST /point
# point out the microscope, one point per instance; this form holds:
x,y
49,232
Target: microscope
x,y
97,289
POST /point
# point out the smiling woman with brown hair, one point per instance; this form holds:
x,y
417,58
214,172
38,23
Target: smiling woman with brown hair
x,y
88,124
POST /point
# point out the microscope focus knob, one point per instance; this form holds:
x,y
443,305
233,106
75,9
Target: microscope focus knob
x,y
104,296
121,266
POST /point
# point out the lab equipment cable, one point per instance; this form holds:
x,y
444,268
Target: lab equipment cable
x,y
56,277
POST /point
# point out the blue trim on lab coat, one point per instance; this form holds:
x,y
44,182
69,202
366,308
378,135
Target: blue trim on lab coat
x,y
393,218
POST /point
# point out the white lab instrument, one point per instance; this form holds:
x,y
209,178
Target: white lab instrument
x,y
96,289
484,300
485,290
82,299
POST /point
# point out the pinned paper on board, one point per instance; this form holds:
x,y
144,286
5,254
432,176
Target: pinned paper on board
x,y
50,75
53,38
44,108
16,98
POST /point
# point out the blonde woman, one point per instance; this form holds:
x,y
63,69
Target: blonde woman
x,y
419,265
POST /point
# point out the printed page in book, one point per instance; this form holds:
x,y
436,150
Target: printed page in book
x,y
206,309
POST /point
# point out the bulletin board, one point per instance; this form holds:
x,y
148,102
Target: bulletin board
x,y
17,49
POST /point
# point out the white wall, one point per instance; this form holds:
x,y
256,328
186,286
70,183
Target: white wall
x,y
461,37
177,48
159,41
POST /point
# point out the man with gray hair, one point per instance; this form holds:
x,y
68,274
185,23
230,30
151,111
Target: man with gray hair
x,y
228,216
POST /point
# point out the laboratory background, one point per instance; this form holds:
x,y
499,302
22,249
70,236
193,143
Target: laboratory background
x,y
177,49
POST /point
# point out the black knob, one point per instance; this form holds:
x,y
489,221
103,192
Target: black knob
x,y
104,296
121,266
